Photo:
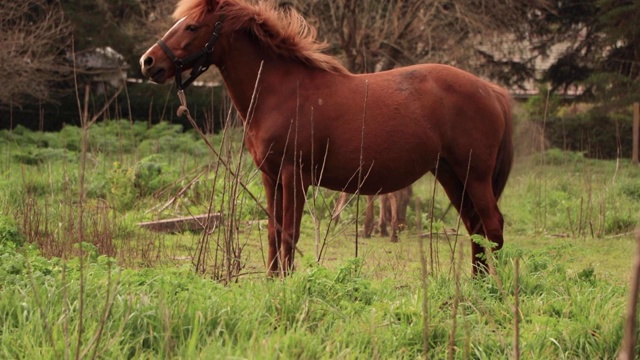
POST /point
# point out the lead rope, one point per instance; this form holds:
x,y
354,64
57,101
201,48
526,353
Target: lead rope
x,y
183,109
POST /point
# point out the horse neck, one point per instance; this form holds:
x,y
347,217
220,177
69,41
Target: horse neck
x,y
239,66
240,63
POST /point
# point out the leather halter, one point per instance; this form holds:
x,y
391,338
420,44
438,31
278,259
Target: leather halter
x,y
198,61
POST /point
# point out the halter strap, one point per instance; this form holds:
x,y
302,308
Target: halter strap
x,y
198,61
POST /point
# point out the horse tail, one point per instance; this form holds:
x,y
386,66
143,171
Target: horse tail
x,y
504,159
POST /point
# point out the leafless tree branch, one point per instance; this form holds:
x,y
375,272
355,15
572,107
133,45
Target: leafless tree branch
x,y
33,35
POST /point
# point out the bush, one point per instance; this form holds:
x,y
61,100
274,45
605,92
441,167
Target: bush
x,y
37,156
603,136
9,233
148,176
632,190
620,224
558,157
121,194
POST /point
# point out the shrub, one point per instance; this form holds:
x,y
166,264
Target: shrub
x,y
556,156
605,136
620,223
37,156
632,190
9,232
121,195
148,176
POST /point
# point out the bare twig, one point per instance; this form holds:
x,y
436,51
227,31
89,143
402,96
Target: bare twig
x,y
425,298
457,266
361,164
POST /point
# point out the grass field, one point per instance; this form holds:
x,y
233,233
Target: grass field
x,y
79,278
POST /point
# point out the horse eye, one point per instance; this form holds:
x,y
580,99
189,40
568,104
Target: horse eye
x,y
192,28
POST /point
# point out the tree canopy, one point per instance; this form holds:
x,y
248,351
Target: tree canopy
x,y
603,54
599,40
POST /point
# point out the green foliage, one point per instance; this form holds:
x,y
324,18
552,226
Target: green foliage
x,y
39,156
10,234
167,141
631,189
148,176
543,105
121,191
621,223
557,157
587,274
601,59
315,313
571,195
603,136
370,307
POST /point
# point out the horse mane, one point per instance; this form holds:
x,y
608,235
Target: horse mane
x,y
284,31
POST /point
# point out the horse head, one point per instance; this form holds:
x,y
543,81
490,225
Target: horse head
x,y
189,44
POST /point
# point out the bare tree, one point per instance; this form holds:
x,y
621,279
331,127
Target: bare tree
x,y
377,35
34,35
368,32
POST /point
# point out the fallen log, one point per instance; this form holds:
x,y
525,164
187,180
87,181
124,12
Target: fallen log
x,y
181,224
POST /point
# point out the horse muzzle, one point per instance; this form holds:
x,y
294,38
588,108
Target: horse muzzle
x,y
152,70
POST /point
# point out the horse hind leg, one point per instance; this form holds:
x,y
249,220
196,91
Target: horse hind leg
x,y
399,201
369,215
460,198
393,207
385,214
486,210
340,205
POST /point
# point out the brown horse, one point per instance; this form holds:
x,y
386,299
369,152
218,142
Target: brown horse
x,y
309,122
392,212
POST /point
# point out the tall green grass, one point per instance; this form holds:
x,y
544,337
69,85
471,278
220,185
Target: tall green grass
x,y
138,294
318,313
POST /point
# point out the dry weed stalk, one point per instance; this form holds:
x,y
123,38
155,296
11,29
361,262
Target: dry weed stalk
x,y
361,164
456,303
516,310
425,298
433,253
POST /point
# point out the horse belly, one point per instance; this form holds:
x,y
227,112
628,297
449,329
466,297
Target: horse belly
x,y
393,154
374,177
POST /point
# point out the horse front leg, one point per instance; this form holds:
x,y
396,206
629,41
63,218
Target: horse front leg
x,y
273,192
294,192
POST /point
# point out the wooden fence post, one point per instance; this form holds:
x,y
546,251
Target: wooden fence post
x,y
627,350
636,133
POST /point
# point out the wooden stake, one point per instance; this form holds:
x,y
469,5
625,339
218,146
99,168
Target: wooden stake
x,y
629,339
